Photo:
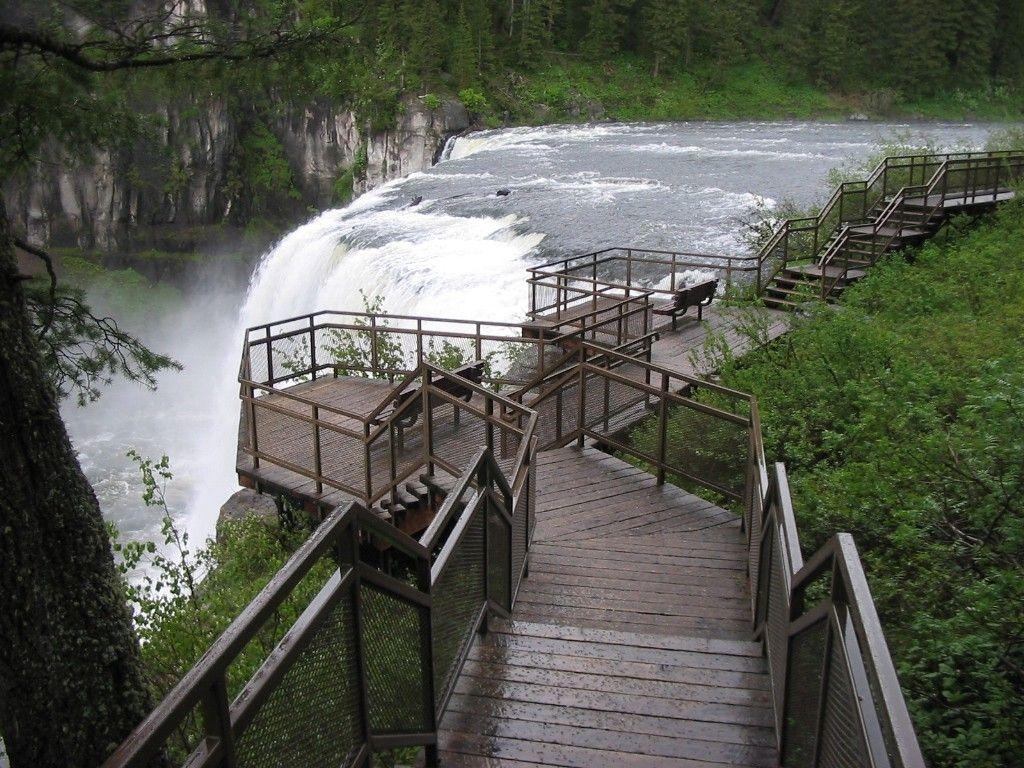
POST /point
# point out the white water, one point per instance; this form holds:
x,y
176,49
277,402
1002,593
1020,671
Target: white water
x,y
460,253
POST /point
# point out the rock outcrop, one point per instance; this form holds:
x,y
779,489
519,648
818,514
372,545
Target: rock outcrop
x,y
193,176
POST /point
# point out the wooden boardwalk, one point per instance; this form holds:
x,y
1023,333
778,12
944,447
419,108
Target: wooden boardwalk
x,y
630,644
285,434
673,349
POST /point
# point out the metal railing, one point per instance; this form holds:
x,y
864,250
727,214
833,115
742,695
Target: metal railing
x,y
388,347
854,202
372,660
369,455
957,182
558,286
836,698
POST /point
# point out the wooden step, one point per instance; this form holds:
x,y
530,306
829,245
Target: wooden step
x,y
902,233
816,271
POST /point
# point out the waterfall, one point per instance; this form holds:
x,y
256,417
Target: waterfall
x,y
421,260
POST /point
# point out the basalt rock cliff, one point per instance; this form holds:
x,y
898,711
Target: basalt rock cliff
x,y
196,177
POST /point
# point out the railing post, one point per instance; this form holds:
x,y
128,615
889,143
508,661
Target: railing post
x,y
373,343
367,470
253,436
582,415
663,429
312,346
351,547
428,422
270,360
489,425
317,468
217,720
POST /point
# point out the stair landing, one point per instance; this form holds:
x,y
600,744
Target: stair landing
x,y
630,641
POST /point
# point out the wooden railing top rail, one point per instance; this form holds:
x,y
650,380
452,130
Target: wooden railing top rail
x,y
975,187
206,680
926,168
640,254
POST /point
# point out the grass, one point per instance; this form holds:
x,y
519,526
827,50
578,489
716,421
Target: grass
x,y
572,89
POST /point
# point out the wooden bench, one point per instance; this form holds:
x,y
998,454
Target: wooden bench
x,y
473,372
699,296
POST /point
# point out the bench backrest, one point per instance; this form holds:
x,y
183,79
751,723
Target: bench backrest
x,y
696,294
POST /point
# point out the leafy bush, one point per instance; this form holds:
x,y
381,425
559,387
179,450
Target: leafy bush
x,y
186,597
474,101
901,420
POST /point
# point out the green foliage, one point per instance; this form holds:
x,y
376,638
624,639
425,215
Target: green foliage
x,y
81,350
432,101
262,171
370,352
186,596
901,419
475,102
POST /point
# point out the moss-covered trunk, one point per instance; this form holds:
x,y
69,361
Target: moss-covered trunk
x,y
70,678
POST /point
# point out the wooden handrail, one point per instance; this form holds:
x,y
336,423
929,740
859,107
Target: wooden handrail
x,y
817,225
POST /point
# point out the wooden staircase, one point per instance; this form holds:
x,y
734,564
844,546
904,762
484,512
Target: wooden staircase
x,y
815,259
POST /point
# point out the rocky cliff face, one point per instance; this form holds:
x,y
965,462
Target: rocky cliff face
x,y
194,176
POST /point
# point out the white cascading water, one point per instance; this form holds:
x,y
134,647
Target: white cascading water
x,y
421,263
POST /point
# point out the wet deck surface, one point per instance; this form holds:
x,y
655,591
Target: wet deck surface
x,y
288,437
675,349
630,644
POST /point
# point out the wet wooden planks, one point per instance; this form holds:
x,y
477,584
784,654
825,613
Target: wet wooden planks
x,y
630,644
672,350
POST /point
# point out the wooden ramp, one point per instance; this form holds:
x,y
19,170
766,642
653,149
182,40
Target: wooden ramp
x,y
630,641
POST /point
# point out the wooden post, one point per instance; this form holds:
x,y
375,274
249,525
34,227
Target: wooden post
x,y
428,422
312,346
663,429
270,359
317,469
368,470
217,720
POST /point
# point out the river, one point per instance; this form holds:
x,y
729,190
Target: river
x,y
460,252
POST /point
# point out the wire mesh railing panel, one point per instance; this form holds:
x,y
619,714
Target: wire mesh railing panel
x,y
803,695
708,447
290,359
520,534
776,626
612,404
458,594
397,689
312,718
557,412
842,739
342,459
499,561
285,432
395,454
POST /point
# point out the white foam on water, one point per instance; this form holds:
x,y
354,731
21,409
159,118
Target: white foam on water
x,y
421,263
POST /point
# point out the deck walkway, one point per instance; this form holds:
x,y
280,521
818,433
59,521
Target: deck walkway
x,y
630,644
286,434
674,348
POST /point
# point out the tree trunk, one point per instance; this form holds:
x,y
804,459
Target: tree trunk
x,y
71,685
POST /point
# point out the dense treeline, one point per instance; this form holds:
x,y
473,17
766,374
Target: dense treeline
x,y
914,46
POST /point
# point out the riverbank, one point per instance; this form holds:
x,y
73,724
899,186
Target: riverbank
x,y
622,89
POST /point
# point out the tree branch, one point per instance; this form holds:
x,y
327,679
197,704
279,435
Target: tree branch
x,y
48,261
